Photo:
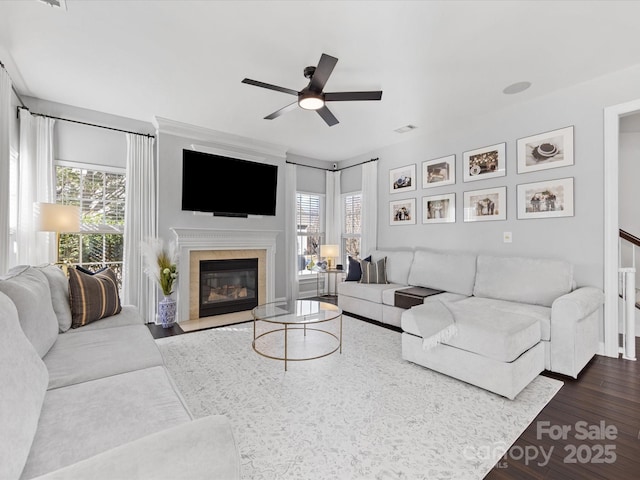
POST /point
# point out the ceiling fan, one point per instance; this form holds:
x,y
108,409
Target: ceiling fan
x,y
312,97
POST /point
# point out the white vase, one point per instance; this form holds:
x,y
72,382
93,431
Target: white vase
x,y
167,312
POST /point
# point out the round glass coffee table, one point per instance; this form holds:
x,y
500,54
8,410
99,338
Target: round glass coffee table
x,y
295,319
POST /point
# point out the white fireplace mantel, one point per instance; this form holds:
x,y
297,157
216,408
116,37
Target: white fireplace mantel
x,y
190,239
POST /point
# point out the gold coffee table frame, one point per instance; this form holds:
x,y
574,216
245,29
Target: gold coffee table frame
x,y
296,315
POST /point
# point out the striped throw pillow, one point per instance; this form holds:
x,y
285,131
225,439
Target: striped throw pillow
x,y
92,296
374,272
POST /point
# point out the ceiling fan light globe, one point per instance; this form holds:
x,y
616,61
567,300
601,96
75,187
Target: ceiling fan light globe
x,y
311,102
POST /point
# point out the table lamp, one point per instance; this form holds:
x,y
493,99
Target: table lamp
x,y
329,252
53,217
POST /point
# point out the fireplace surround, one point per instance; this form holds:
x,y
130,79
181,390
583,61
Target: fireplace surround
x,y
196,244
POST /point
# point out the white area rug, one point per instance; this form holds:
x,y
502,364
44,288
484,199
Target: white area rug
x,y
362,414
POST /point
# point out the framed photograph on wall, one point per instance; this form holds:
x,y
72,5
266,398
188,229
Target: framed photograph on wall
x,y
402,179
438,172
545,150
546,199
485,205
439,208
402,212
485,162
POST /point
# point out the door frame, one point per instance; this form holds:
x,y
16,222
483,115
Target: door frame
x,y
612,117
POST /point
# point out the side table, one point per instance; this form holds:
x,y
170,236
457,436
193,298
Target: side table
x,y
326,275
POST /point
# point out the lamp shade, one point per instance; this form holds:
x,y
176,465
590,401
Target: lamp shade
x,y
52,217
329,251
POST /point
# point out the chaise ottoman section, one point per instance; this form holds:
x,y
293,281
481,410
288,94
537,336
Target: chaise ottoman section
x,y
496,350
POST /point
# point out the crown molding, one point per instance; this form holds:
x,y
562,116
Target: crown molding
x,y
222,139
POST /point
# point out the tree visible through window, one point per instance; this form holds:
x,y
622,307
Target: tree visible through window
x,y
100,194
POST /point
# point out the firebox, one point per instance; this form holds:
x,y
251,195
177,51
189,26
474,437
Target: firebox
x,y
228,286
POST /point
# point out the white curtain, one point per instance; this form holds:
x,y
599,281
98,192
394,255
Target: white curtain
x,y
369,214
5,158
291,241
333,217
140,224
35,184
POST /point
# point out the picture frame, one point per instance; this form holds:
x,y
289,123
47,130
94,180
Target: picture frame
x,y
546,199
546,150
485,205
402,212
485,162
439,208
402,179
439,171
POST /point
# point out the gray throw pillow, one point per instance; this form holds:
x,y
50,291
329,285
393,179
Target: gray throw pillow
x,y
29,290
59,285
374,272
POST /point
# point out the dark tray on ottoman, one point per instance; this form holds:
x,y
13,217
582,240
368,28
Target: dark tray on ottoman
x,y
412,296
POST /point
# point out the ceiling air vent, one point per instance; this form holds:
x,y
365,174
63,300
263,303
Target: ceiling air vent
x,y
55,3
405,129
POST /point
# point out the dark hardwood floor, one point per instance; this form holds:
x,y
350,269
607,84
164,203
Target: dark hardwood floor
x,y
599,414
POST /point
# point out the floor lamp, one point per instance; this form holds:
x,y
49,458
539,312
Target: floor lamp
x,y
54,217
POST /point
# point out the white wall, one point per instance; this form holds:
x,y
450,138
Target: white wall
x,y
578,239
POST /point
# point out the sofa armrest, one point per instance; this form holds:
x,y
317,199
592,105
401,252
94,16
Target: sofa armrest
x,y
575,329
576,305
201,449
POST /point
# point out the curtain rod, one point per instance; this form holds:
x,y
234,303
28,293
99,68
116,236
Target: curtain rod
x,y
332,169
90,124
12,87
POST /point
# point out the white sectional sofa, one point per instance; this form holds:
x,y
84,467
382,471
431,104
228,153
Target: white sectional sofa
x,y
512,317
96,401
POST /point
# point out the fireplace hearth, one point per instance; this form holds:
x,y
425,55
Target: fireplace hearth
x,y
228,286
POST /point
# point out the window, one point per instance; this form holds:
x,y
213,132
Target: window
x,y
351,228
100,193
310,223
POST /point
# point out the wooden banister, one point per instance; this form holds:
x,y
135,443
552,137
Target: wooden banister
x,y
630,238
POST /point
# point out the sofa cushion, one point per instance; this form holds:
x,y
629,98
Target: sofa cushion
x,y
398,264
374,271
83,420
129,315
29,290
503,336
543,314
366,291
23,380
93,296
91,354
526,280
59,286
451,272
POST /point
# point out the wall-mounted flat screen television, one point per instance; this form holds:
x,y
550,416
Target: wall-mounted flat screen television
x,y
227,186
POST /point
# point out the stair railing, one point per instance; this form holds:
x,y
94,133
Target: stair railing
x,y
627,282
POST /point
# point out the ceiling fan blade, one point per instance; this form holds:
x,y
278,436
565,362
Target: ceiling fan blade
x,y
256,83
348,96
277,113
327,116
323,70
